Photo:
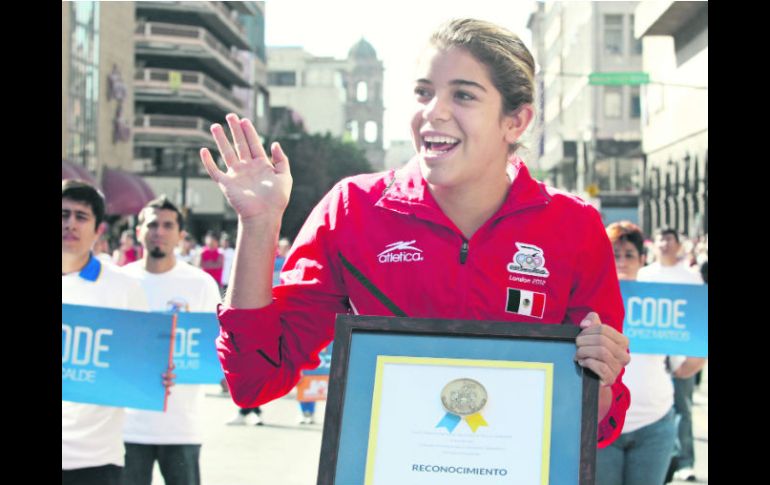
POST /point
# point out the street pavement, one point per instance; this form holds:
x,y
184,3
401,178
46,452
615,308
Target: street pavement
x,y
700,423
283,452
280,452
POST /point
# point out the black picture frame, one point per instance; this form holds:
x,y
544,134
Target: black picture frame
x,y
348,327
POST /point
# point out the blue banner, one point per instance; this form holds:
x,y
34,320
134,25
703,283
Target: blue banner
x,y
195,352
326,363
114,357
666,318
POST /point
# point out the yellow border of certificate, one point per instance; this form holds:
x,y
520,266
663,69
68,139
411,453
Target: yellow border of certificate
x,y
506,364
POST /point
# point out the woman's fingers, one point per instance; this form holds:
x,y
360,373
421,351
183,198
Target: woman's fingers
x,y
210,165
601,348
227,152
252,139
606,343
606,374
242,148
280,160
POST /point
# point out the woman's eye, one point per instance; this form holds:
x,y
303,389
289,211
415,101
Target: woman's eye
x,y
421,92
463,96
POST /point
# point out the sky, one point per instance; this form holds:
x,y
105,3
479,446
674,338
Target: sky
x,y
397,29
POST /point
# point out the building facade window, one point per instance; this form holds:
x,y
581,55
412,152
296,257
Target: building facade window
x,y
617,174
83,84
353,130
282,78
613,102
636,105
636,44
260,104
362,93
370,132
613,35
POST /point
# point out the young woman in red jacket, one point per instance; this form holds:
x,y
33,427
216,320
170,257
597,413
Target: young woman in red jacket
x,y
462,231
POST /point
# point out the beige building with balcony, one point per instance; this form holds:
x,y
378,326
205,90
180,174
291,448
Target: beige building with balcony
x,y
194,63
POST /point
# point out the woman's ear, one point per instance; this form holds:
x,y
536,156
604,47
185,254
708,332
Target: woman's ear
x,y
517,122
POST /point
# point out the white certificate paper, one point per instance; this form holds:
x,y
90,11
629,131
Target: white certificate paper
x,y
406,446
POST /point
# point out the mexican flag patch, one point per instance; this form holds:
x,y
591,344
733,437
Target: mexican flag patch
x,y
524,302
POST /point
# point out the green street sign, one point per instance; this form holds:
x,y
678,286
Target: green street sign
x,y
618,78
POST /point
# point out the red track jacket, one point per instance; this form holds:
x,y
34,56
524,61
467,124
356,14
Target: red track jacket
x,y
544,257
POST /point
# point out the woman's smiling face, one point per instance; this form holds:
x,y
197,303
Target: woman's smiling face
x,y
458,128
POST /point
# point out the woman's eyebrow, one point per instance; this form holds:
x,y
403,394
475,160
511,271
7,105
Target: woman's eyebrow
x,y
455,82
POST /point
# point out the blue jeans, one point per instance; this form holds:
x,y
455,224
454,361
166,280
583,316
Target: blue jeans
x,y
178,464
640,457
307,406
683,389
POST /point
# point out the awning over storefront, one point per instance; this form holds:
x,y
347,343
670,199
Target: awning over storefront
x,y
125,192
71,170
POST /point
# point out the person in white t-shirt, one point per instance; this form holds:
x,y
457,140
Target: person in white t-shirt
x,y
641,454
92,436
173,438
669,268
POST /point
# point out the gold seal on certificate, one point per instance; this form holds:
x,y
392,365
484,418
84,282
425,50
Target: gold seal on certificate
x,y
464,397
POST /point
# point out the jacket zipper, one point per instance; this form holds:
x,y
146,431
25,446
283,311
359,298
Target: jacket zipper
x,y
464,252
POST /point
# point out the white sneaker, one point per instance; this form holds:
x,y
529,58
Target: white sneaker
x,y
307,418
685,475
257,420
239,420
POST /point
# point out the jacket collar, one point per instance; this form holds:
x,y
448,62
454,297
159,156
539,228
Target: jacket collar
x,y
92,269
407,193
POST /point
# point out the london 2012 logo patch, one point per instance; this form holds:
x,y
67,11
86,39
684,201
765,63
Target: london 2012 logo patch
x,y
528,260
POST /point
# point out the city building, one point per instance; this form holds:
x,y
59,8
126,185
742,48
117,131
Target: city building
x,y
675,115
588,125
194,63
398,153
97,102
340,96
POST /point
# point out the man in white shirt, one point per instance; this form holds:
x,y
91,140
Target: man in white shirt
x,y
172,438
92,439
668,268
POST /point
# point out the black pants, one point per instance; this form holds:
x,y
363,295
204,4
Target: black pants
x,y
247,411
98,475
178,464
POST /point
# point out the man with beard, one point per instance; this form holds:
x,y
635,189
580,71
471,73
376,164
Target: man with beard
x,y
172,438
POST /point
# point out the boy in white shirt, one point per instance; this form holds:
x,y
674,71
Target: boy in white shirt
x,y
92,442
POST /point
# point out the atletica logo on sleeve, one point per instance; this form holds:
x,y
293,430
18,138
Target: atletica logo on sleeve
x,y
524,302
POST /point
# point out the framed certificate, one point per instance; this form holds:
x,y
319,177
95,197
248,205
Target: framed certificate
x,y
430,401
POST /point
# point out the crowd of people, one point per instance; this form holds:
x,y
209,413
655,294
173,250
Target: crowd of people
x,y
163,272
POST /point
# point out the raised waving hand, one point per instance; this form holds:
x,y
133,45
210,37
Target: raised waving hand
x,y
254,185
